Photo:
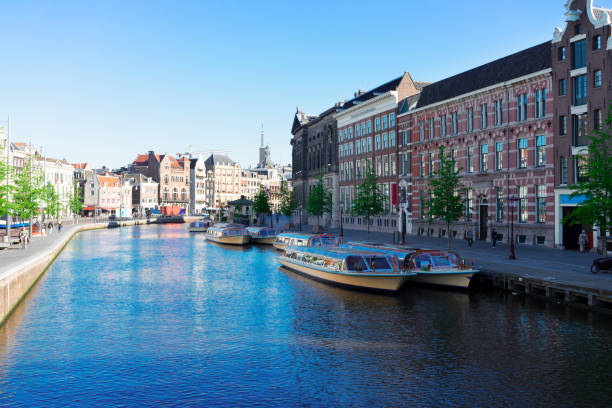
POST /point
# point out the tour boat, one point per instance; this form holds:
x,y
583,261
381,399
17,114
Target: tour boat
x,y
286,239
432,266
262,235
230,235
198,226
347,267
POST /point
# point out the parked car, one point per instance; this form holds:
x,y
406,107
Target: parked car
x,y
602,264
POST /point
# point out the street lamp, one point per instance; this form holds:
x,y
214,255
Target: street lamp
x,y
341,229
513,201
300,208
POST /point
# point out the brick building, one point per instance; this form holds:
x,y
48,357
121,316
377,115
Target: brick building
x,y
367,136
496,122
315,149
173,177
581,70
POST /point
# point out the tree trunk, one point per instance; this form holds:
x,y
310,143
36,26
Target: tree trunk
x,y
449,235
368,221
603,235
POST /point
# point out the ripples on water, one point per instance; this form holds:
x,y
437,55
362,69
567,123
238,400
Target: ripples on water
x,y
153,316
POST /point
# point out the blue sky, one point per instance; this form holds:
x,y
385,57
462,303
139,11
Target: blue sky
x,y
104,81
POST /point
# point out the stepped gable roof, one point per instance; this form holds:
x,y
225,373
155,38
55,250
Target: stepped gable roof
x,y
522,63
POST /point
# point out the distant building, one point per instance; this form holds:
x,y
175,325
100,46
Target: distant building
x,y
103,194
226,175
144,194
197,187
59,174
173,177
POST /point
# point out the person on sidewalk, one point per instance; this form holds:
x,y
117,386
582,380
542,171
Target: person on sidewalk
x,y
59,226
494,237
469,235
583,241
23,238
50,227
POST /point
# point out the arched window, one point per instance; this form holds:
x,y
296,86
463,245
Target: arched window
x,y
183,195
174,194
166,193
166,179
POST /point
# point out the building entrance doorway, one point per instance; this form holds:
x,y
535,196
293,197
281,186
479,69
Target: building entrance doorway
x,y
483,220
571,232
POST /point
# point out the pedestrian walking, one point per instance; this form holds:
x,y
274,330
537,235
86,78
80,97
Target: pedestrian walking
x,y
59,226
23,238
50,227
494,237
469,235
583,241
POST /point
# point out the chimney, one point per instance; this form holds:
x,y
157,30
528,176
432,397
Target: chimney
x,y
359,92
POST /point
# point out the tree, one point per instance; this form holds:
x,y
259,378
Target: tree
x,y
4,188
320,199
261,204
595,183
51,199
446,201
76,199
26,194
369,200
288,203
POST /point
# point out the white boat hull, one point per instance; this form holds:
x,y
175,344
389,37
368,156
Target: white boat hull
x,y
280,247
456,280
390,283
197,229
232,240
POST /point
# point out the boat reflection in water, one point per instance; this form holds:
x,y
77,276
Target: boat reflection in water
x,y
300,239
262,235
230,234
431,266
347,267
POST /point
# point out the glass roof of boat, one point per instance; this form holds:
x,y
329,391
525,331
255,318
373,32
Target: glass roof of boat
x,y
333,252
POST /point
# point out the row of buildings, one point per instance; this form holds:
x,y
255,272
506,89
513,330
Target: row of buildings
x,y
515,128
156,183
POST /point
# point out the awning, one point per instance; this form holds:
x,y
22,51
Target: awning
x,y
88,208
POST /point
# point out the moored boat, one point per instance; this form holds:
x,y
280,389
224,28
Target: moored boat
x,y
432,266
198,226
262,235
229,235
347,267
286,239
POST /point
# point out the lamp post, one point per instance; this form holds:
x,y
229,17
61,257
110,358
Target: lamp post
x,y
341,229
300,217
513,201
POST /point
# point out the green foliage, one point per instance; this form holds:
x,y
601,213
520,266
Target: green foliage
x,y
4,189
25,193
369,200
596,183
320,199
446,199
51,199
76,199
261,205
288,203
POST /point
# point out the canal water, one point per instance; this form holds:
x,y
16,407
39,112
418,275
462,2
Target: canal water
x,y
154,316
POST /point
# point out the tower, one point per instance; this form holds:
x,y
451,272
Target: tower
x,y
262,149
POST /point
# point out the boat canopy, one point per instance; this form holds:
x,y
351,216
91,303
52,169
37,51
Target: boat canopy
x,y
261,232
412,258
227,232
343,258
299,235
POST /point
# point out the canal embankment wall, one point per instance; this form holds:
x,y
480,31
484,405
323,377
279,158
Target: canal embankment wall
x,y
18,278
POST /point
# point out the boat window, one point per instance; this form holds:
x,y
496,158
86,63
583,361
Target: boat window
x,y
300,242
328,241
422,261
379,262
441,261
316,242
355,263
